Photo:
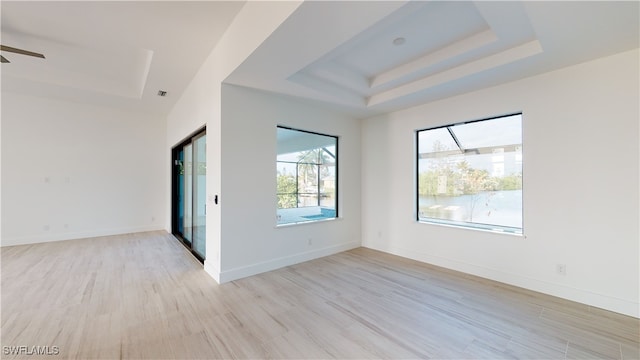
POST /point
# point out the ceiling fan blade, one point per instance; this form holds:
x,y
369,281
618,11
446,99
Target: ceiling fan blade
x,y
20,51
4,59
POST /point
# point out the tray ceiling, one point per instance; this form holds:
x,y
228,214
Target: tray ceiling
x,y
400,54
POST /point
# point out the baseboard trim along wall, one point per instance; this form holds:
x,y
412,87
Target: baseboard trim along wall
x,y
245,271
582,296
28,240
212,270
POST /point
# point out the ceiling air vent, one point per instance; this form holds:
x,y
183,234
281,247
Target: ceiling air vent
x,y
162,93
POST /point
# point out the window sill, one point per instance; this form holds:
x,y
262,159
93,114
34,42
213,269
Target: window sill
x,y
280,226
472,228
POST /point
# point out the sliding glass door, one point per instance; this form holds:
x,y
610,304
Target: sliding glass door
x,y
199,205
189,193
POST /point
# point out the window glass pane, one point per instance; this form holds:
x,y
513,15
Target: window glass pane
x,y
480,188
286,179
188,194
291,157
501,131
328,184
436,140
199,195
306,166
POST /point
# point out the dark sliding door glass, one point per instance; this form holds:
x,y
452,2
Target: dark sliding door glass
x,y
189,194
187,203
179,190
199,194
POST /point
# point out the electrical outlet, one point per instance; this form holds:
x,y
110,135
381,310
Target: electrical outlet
x,y
561,269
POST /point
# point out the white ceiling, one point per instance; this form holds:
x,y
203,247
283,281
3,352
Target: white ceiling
x,y
116,53
451,47
120,53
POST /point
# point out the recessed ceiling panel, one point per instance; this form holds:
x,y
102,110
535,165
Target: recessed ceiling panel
x,y
510,55
433,26
114,53
420,46
118,71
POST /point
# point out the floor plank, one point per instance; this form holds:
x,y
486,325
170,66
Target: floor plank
x,y
143,296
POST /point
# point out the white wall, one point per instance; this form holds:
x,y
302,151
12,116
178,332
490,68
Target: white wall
x,y
581,185
201,105
71,170
251,242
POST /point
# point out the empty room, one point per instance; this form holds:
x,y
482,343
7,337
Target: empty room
x,y
320,179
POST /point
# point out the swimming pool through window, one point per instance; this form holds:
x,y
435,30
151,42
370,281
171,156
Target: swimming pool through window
x,y
306,176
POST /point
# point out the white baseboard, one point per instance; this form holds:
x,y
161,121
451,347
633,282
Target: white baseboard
x,y
27,240
253,269
212,270
590,298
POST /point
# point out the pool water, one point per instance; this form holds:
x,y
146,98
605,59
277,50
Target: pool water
x,y
304,214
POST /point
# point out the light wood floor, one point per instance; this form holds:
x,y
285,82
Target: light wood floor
x,y
144,296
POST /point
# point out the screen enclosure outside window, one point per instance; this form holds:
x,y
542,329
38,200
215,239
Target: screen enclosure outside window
x,y
470,174
306,176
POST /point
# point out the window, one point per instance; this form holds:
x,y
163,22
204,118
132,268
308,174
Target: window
x,y
470,174
306,173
